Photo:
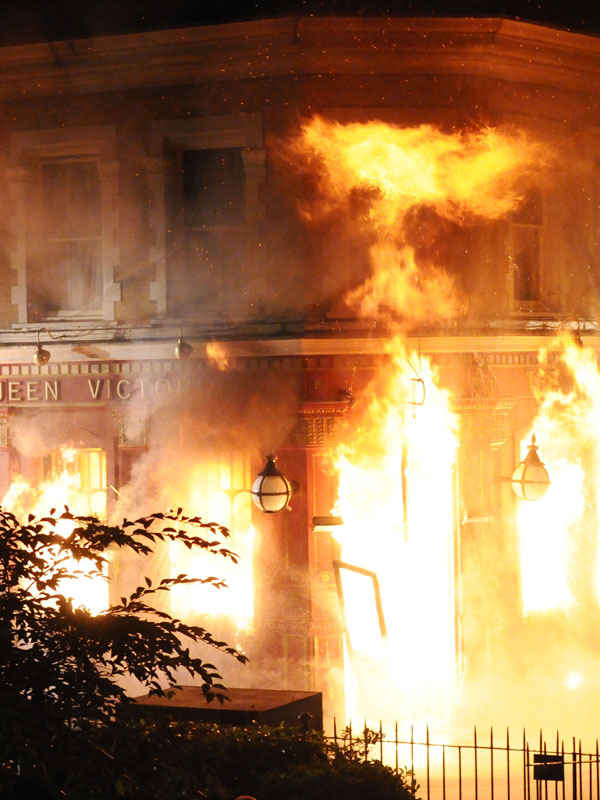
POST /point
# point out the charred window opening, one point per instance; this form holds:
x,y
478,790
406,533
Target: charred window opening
x,y
526,250
80,474
213,188
67,278
207,236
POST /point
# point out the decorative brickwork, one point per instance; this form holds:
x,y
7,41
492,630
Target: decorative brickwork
x,y
489,421
131,431
319,425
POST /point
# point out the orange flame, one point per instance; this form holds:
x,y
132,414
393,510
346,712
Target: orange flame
x,y
216,485
399,285
378,173
216,353
459,174
396,499
60,490
396,462
567,426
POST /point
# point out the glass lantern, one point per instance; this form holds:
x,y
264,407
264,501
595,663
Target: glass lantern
x,y
530,479
271,491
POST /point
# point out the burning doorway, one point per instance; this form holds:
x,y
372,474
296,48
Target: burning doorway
x,y
74,479
83,470
57,459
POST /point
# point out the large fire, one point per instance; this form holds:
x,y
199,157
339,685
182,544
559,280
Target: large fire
x,y
396,463
378,174
396,500
215,485
398,490
557,533
459,173
75,479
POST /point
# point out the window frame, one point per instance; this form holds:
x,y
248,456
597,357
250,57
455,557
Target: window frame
x,y
29,150
174,136
540,305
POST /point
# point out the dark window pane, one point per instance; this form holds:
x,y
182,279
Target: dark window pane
x,y
213,187
530,211
526,261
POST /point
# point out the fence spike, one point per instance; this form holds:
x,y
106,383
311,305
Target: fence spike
x,y
412,748
475,757
507,763
428,772
597,772
580,773
574,771
562,747
491,763
443,772
525,766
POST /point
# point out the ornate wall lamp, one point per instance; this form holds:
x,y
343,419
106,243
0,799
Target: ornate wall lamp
x,y
530,480
272,491
575,332
183,349
41,356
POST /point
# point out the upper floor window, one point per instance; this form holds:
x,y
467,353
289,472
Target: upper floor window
x,y
213,188
204,188
525,252
207,235
67,256
64,189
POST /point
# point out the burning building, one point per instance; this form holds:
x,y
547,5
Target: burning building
x,y
370,248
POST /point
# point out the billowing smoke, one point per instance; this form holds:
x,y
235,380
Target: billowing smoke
x,y
232,410
204,447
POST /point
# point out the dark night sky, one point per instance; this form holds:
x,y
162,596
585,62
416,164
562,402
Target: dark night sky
x,y
33,20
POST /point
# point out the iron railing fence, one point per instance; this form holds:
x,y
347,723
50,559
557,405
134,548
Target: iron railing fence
x,y
481,768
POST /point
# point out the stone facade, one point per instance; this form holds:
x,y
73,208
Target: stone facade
x,y
134,105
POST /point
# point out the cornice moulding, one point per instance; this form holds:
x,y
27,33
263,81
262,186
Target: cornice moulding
x,y
501,48
288,348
